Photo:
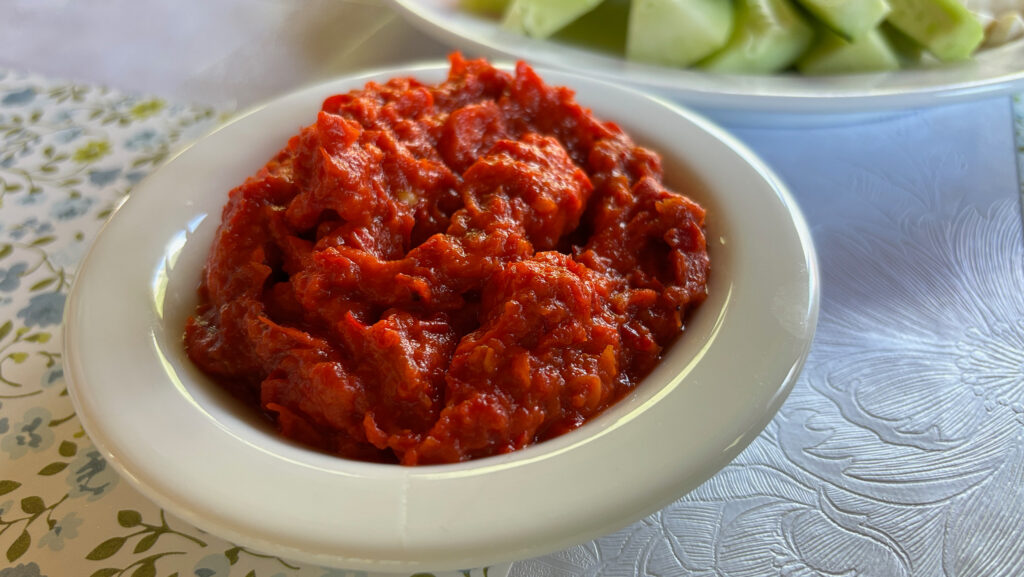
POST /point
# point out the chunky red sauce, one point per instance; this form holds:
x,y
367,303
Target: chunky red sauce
x,y
430,274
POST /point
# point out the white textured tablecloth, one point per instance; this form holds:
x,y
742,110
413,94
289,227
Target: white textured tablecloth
x,y
899,452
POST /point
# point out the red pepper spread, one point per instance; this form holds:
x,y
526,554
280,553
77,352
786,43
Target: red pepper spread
x,y
431,274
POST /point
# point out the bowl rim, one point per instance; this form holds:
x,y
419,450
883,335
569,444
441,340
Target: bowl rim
x,y
428,518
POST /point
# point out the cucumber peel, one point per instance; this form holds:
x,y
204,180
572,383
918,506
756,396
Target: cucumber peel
x,y
850,19
484,6
677,32
944,27
603,28
768,36
542,18
909,52
833,54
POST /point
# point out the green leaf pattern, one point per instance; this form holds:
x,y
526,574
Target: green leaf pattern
x,y
69,154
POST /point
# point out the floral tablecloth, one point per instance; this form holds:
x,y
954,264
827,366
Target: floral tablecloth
x,y
68,155
900,451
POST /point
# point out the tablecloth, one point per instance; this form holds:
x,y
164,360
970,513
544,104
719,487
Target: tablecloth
x,y
69,153
899,452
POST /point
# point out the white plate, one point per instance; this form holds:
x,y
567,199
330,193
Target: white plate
x,y
198,453
734,99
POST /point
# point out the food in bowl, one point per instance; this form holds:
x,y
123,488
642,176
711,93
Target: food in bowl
x,y
437,273
766,36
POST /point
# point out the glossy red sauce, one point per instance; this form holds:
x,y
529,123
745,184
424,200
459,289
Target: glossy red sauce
x,y
430,274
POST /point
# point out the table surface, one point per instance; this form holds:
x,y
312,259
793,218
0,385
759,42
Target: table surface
x,y
900,451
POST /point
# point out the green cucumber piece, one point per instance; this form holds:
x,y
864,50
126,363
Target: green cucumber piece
x,y
677,32
850,19
603,28
542,18
768,36
944,27
496,7
833,54
909,52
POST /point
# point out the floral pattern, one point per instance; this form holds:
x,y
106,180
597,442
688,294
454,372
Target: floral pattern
x,y
68,156
899,453
65,528
22,570
31,434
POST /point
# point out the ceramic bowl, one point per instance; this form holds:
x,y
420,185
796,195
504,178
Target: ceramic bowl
x,y
201,455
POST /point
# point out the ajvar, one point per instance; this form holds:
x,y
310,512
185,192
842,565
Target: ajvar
x,y
430,274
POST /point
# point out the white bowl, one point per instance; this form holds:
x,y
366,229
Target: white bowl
x,y
198,453
739,100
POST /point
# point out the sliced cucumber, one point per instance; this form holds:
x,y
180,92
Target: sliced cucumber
x,y
768,36
944,27
677,32
833,54
603,28
907,49
484,6
542,18
850,19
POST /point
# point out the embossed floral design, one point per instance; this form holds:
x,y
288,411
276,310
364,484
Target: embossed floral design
x,y
905,436
990,360
944,386
900,452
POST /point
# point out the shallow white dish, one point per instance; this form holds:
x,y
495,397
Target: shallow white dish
x,y
733,99
201,455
